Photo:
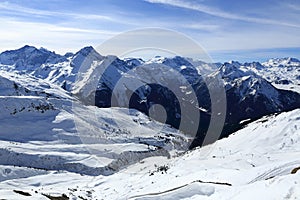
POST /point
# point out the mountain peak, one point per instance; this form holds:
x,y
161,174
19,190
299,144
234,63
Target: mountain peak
x,y
290,59
86,51
85,56
233,62
29,57
25,49
28,47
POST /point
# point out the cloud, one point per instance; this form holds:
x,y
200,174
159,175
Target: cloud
x,y
198,26
220,13
251,39
57,28
294,7
69,31
56,37
25,10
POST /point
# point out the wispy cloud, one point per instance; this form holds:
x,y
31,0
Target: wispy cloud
x,y
37,12
220,13
56,37
57,28
198,26
293,6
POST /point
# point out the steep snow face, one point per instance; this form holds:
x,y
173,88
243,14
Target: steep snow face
x,y
43,64
84,58
65,73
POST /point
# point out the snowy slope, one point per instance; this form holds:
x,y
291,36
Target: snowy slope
x,y
43,127
255,162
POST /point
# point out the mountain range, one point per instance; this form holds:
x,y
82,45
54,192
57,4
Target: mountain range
x,y
66,130
252,89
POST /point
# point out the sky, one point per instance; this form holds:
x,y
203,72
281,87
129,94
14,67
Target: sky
x,y
240,30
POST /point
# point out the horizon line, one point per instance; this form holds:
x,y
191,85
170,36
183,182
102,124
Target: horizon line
x,y
215,54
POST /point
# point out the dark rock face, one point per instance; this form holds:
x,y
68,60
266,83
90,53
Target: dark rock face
x,y
158,95
283,82
248,97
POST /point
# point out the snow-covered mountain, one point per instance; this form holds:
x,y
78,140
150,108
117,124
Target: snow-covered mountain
x,y
281,62
283,73
29,58
56,143
252,94
48,65
251,88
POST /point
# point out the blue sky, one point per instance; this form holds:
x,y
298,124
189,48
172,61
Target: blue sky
x,y
226,29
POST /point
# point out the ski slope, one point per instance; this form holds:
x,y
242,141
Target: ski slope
x,y
255,162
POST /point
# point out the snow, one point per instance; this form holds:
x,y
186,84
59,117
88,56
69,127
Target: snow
x,y
183,192
283,73
255,162
51,144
